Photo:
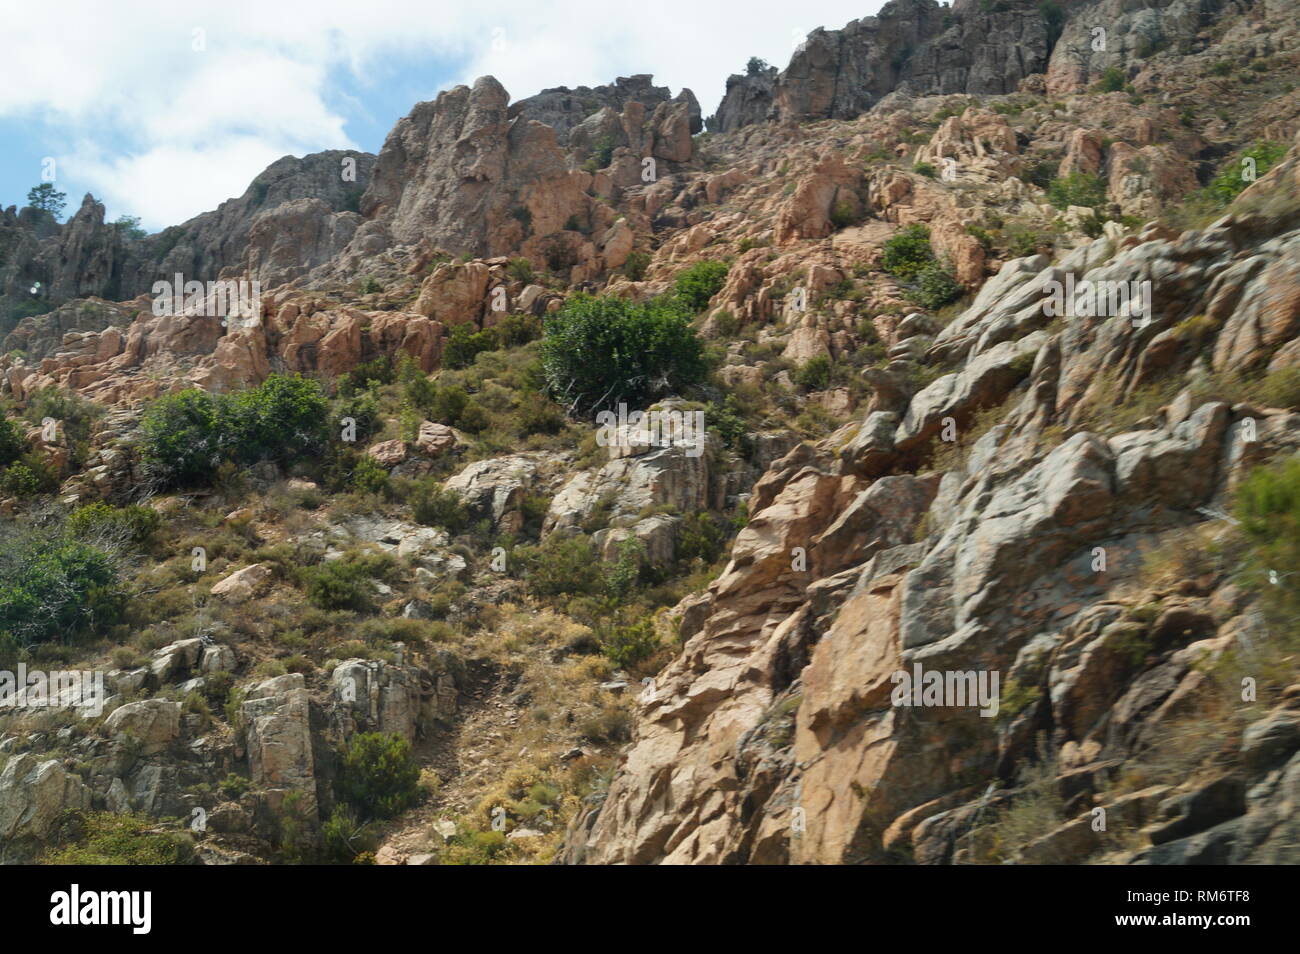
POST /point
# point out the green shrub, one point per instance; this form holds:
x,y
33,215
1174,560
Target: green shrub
x,y
538,414
1228,184
369,475
843,214
28,478
76,415
1112,80
908,257
622,578
182,441
1281,388
465,344
1077,188
924,169
188,434
561,566
368,374
636,264
345,836
702,536
1268,506
627,645
696,285
1023,242
474,848
907,253
108,838
378,775
344,583
434,506
283,419
814,374
600,351
53,587
936,287
520,270
133,523
13,442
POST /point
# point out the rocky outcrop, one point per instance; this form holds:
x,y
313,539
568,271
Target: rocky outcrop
x,y
565,109
461,174
748,99
34,794
87,257
776,735
911,46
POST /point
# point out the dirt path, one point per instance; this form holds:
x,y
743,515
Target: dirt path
x,y
459,757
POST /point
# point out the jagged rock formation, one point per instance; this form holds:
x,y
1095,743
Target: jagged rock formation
x,y
1003,578
564,109
915,47
969,488
87,257
748,100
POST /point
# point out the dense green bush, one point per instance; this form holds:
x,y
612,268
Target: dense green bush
x,y
814,374
32,475
434,506
53,587
453,407
369,475
702,536
13,442
600,351
1229,183
1077,188
182,440
1112,80
378,775
904,255
636,264
187,435
908,257
282,419
464,344
561,566
345,583
628,644
110,838
696,285
133,523
936,287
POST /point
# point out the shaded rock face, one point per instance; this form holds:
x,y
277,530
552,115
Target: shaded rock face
x,y
1133,33
912,46
87,257
748,100
209,244
564,109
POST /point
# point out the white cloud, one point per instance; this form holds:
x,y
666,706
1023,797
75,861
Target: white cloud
x,y
167,131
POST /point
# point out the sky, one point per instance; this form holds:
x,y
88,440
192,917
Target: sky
x,y
163,110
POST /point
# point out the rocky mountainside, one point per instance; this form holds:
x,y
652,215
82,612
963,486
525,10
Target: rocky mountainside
x,y
995,335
